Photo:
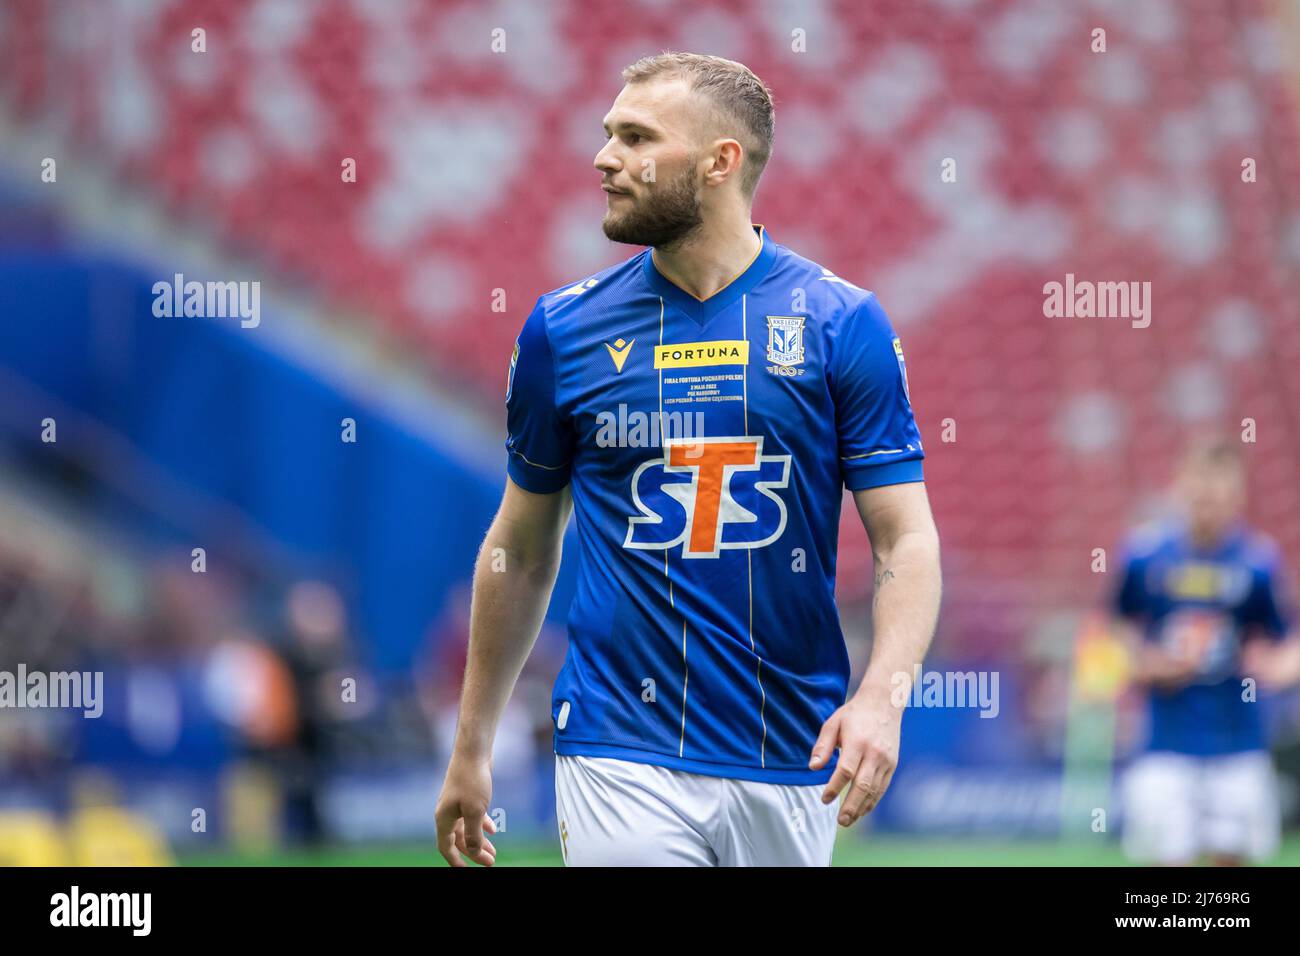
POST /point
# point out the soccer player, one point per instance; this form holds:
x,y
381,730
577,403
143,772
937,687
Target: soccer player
x,y
1206,593
700,409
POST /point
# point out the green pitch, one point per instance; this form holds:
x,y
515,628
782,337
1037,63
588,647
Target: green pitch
x,y
852,850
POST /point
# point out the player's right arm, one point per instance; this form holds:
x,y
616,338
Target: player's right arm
x,y
513,577
1150,663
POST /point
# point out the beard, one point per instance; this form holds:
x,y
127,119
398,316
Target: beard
x,y
667,213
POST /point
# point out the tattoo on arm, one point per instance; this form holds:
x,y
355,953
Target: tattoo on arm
x,y
881,577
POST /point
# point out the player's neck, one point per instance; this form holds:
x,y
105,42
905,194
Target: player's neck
x,y
711,257
1209,537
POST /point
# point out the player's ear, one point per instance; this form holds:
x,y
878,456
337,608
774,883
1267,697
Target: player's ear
x,y
727,157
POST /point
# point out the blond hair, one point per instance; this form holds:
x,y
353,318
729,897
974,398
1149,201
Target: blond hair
x,y
737,94
1211,449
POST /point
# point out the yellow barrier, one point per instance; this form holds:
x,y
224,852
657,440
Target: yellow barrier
x,y
96,836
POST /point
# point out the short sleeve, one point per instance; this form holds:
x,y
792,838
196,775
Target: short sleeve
x,y
539,441
878,440
1269,604
1129,599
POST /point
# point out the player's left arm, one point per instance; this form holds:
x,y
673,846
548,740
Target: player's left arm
x,y
1274,658
905,606
1275,664
880,455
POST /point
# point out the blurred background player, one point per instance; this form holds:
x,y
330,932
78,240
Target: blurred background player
x,y
1206,592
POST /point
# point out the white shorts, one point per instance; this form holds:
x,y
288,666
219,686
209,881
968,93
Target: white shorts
x,y
619,813
1177,807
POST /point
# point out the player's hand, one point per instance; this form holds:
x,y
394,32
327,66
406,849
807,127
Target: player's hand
x,y
1273,665
866,730
1165,669
461,814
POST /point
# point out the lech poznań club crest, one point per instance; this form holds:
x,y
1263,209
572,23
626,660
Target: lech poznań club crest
x,y
785,341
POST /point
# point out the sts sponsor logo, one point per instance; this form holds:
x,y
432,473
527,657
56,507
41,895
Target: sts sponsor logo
x,y
708,495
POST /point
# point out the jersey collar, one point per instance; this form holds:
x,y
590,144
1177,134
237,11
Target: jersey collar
x,y
1233,535
701,310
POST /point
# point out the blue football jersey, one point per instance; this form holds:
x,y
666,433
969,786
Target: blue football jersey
x,y
1205,602
708,445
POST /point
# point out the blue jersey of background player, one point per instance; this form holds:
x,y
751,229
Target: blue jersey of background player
x,y
1202,603
707,446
